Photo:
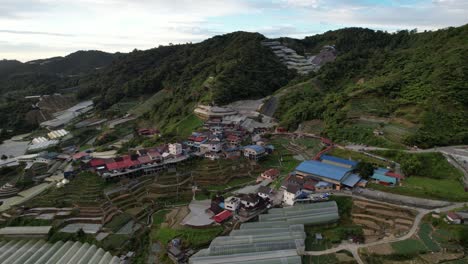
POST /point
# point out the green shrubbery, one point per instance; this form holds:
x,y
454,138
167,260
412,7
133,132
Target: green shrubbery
x,y
396,71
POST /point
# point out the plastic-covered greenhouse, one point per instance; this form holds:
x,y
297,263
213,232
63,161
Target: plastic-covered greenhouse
x,y
267,230
39,251
278,256
278,237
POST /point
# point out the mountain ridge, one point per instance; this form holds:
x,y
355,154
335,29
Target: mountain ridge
x,y
235,66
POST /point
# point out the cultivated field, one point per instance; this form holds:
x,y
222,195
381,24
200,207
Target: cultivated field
x,y
380,220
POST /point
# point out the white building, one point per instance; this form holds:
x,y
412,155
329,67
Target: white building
x,y
211,146
231,203
264,192
290,194
175,149
250,200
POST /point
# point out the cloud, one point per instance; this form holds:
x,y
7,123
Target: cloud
x,y
122,25
35,33
392,16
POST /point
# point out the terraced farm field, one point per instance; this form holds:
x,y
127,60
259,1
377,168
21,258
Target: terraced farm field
x,y
381,220
85,190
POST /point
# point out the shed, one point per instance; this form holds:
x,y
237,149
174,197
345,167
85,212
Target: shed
x,y
223,216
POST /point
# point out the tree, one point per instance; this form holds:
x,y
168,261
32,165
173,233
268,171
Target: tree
x,y
80,233
411,165
365,169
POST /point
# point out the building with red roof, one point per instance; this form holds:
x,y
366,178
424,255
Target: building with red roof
x,y
454,218
144,159
270,174
394,175
223,216
80,155
97,162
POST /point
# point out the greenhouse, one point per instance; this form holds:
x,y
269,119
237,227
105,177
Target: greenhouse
x,y
261,231
278,237
279,256
41,252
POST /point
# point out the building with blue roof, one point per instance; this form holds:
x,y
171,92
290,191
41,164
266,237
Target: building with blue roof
x,y
383,179
350,180
320,171
254,152
381,170
338,161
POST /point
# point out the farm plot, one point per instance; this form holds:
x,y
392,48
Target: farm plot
x,y
409,247
396,132
425,235
381,220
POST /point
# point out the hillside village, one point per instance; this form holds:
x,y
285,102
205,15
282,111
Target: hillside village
x,y
227,183
251,184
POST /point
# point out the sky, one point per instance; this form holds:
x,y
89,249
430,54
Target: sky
x,y
34,29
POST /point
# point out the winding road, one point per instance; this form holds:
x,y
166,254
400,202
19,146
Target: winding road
x,y
354,248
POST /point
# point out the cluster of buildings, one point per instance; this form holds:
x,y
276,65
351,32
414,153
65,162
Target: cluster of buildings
x,y
327,174
302,64
386,177
278,236
52,139
223,138
247,120
64,117
143,162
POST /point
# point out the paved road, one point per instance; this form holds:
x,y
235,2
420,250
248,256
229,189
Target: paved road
x,y
269,108
449,152
354,248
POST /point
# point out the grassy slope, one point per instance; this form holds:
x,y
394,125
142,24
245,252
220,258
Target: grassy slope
x,y
437,179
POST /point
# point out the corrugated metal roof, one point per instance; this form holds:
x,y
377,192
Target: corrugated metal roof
x,y
256,148
383,178
339,160
322,169
351,180
381,170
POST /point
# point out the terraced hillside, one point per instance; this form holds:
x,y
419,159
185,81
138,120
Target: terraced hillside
x,y
380,220
85,190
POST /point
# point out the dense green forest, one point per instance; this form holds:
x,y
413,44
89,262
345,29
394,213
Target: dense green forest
x,y
221,69
418,77
46,76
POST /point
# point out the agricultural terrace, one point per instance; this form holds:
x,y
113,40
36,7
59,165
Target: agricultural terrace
x,y
357,156
334,233
85,190
362,221
379,221
435,242
224,173
430,175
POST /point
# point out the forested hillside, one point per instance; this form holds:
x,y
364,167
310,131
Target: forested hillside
x,y
41,77
221,69
409,88
418,80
